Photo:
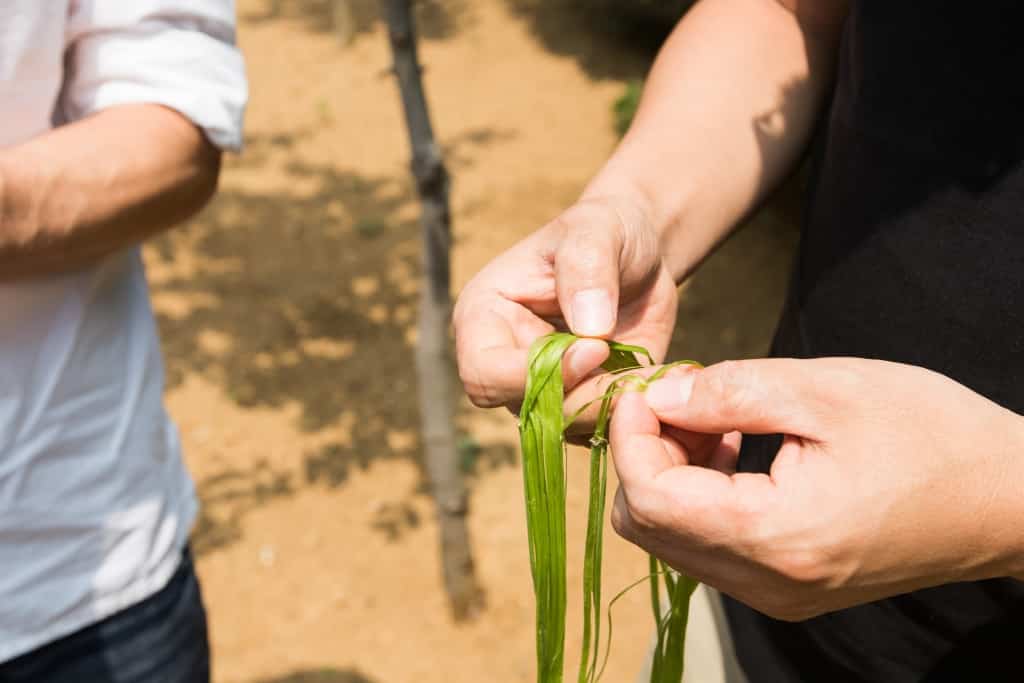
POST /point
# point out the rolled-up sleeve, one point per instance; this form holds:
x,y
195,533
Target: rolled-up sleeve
x,y
177,53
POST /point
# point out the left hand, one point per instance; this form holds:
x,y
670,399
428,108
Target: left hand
x,y
890,478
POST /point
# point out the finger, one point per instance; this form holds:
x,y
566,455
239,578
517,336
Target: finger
x,y
584,401
587,271
638,451
766,396
620,518
726,456
581,359
698,503
504,382
714,451
658,495
676,450
492,361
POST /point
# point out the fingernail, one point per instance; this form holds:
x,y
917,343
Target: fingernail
x,y
670,393
575,362
592,312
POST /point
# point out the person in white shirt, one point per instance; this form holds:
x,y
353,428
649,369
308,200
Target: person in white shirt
x,y
113,115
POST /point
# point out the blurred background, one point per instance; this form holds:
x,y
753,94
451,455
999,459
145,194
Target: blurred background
x,y
288,312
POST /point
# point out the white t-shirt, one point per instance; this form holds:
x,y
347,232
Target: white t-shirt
x,y
95,502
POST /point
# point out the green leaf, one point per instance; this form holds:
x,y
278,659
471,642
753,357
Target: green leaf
x,y
541,432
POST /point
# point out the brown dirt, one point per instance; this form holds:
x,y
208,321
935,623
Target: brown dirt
x,y
287,311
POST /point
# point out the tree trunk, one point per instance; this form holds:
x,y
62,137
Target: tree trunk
x,y
434,366
344,21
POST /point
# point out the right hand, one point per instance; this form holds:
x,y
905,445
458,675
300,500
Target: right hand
x,y
596,270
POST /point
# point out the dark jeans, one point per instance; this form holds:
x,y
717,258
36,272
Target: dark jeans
x,y
160,640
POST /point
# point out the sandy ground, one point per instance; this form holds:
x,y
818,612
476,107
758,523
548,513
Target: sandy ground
x,y
286,311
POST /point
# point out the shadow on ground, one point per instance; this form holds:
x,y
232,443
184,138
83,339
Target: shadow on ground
x,y
305,299
347,19
228,496
320,676
313,314
607,38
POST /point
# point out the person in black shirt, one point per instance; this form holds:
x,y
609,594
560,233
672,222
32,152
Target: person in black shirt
x,y
866,525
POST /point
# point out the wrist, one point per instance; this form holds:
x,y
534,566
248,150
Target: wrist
x,y
6,212
636,200
14,206
1007,532
1015,558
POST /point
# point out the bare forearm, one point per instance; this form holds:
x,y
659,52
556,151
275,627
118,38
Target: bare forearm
x,y
82,191
727,109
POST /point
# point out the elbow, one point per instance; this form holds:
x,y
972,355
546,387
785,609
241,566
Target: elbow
x,y
204,179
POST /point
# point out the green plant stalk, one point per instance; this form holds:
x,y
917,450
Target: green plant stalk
x,y
592,559
668,662
620,359
541,434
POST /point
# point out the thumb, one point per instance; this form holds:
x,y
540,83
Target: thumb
x,y
587,271
697,502
764,396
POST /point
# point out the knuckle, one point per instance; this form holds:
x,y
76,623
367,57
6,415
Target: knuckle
x,y
479,392
803,568
642,513
478,398
481,400
631,523
469,301
847,388
460,324
785,604
583,251
788,610
730,385
458,311
621,524
591,237
748,520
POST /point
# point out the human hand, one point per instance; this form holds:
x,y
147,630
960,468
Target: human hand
x,y
596,270
890,478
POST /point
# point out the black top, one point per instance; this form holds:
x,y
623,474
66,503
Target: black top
x,y
912,251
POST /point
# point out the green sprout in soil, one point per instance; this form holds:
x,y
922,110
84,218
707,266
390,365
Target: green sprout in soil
x,y
625,106
369,227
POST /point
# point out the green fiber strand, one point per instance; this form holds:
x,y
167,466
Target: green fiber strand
x,y
541,427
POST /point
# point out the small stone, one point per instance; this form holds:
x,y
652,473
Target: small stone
x,y
267,556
